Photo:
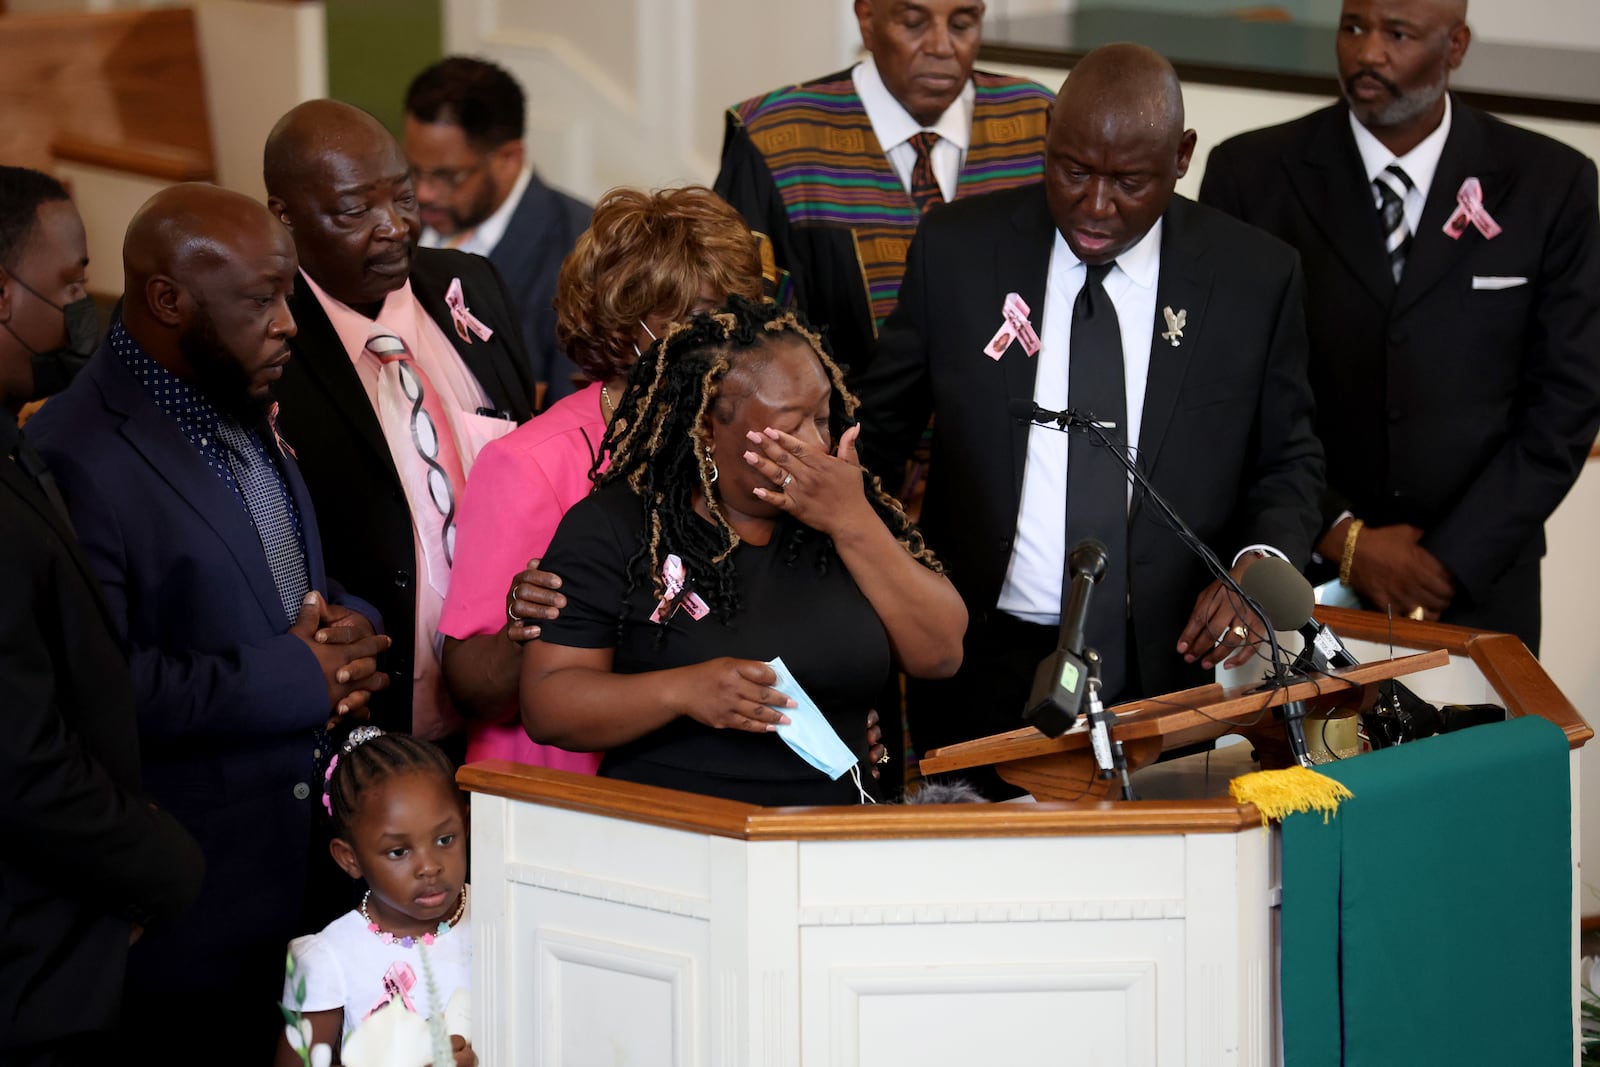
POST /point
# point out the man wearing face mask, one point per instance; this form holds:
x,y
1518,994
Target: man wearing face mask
x,y
92,862
76,322
1453,298
407,361
836,173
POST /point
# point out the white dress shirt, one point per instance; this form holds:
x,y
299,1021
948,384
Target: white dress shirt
x,y
482,238
894,128
1419,164
1032,589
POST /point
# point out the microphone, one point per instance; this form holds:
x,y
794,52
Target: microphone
x,y
1286,597
1061,678
1287,601
1024,410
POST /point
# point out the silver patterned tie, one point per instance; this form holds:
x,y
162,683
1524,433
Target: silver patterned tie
x,y
1389,191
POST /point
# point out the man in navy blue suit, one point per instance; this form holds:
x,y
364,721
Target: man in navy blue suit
x,y
477,193
197,524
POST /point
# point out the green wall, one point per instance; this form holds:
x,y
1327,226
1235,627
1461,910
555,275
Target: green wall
x,y
375,48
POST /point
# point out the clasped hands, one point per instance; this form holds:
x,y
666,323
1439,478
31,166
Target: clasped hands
x,y
346,649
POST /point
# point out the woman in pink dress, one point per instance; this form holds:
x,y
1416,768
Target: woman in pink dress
x,y
647,260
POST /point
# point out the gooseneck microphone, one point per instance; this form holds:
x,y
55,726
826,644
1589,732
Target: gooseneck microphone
x,y
1061,678
1286,596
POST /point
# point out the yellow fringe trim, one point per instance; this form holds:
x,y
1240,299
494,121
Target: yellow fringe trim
x,y
1279,794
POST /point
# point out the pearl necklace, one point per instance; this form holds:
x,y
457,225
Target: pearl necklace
x,y
406,942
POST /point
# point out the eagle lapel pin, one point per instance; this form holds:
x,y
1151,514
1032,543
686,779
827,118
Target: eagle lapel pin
x,y
1175,324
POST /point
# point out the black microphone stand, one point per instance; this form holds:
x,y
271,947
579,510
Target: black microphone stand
x,y
1069,419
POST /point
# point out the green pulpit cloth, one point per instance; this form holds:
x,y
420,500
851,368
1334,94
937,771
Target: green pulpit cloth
x,y
1430,920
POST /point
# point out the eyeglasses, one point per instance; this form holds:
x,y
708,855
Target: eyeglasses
x,y
450,179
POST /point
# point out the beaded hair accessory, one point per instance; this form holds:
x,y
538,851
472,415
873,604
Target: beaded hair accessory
x,y
359,735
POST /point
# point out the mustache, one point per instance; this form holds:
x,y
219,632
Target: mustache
x,y
1371,75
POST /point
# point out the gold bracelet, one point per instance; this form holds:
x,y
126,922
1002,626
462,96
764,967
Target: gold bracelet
x,y
1349,555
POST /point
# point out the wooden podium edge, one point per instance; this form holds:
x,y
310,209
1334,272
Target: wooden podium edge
x,y
1508,666
747,822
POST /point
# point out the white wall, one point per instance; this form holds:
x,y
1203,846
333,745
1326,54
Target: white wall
x,y
632,92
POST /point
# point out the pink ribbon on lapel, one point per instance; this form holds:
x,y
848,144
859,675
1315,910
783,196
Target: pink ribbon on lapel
x,y
397,982
464,319
1469,208
672,576
1015,327
277,438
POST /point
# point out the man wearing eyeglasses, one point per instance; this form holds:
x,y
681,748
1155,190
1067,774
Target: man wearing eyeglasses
x,y
477,193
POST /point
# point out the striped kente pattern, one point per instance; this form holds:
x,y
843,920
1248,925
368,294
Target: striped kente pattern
x,y
831,171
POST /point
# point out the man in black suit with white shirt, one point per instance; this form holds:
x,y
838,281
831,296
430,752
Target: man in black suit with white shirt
x,y
1456,366
1172,322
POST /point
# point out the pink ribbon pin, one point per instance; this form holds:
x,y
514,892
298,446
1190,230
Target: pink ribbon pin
x,y
673,577
277,438
1469,208
397,982
1015,328
464,319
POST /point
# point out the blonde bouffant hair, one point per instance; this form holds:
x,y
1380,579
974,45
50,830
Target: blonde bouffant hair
x,y
648,253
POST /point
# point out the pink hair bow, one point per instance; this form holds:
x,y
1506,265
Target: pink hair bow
x,y
1469,209
463,318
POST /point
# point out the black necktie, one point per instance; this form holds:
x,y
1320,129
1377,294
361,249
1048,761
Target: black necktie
x,y
32,465
1097,484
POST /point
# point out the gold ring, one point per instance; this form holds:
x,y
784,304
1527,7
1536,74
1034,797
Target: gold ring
x,y
516,620
881,760
1416,613
1239,631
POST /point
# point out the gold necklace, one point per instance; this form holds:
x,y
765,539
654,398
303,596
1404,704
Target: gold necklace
x,y
607,407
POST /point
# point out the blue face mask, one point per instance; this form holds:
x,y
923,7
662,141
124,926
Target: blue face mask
x,y
810,734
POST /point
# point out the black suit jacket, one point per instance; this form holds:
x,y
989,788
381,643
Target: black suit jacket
x,y
326,417
1463,410
543,228
1226,431
88,856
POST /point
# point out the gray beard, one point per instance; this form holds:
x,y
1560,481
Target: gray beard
x,y
1402,109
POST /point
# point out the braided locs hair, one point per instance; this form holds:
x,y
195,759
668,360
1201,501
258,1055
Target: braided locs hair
x,y
660,446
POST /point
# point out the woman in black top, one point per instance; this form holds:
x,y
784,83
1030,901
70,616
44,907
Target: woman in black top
x,y
728,515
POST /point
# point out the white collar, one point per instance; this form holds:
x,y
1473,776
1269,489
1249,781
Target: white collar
x,y
893,123
1141,263
1419,164
483,238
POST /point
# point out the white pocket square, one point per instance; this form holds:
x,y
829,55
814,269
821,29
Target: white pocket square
x,y
1480,281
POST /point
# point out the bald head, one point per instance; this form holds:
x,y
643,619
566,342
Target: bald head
x,y
1114,150
340,183
1126,85
192,227
208,275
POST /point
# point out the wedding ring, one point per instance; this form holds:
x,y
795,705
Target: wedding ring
x,y
1239,631
1416,613
881,760
787,478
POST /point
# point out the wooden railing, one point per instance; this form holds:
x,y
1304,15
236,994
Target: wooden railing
x,y
119,89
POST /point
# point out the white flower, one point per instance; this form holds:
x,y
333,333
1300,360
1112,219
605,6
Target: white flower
x,y
321,1055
